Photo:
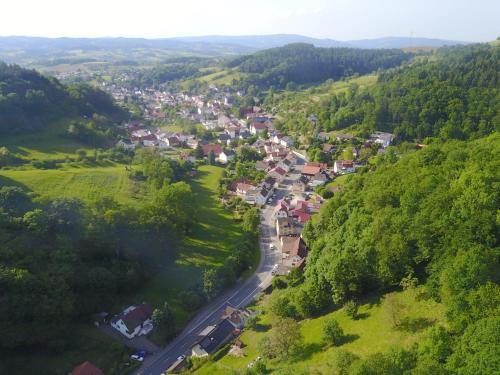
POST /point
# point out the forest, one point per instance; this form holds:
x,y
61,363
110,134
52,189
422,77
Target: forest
x,y
454,94
294,64
426,217
62,260
29,101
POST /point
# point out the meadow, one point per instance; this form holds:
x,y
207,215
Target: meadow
x,y
369,334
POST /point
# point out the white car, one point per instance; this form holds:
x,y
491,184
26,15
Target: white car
x,y
135,357
271,246
181,358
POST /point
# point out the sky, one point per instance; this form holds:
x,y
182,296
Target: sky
x,y
466,20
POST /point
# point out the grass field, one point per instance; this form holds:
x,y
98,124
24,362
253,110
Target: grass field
x,y
85,183
369,334
47,145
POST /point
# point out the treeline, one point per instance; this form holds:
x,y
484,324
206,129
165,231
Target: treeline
x,y
303,63
29,101
454,95
427,217
62,260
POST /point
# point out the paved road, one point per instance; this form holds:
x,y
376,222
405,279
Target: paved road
x,y
240,295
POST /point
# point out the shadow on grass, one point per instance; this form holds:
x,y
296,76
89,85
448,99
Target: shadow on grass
x,y
347,339
362,316
414,325
307,351
262,327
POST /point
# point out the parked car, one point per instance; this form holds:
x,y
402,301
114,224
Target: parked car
x,y
181,358
139,356
271,246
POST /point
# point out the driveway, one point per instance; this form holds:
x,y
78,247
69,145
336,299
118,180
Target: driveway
x,y
138,343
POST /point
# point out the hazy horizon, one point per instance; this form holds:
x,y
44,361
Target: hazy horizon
x,y
337,19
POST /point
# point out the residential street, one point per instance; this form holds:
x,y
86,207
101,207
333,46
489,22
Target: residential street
x,y
239,296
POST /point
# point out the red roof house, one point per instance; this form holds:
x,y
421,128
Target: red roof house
x,y
86,368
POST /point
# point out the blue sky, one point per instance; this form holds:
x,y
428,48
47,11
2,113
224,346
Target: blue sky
x,y
469,20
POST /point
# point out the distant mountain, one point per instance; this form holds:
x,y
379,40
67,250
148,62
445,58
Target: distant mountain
x,y
37,51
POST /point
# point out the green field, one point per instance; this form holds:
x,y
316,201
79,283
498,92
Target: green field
x,y
369,334
85,183
51,144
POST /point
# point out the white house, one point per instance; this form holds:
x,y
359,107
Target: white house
x,y
226,156
125,144
285,164
286,142
343,166
385,139
134,321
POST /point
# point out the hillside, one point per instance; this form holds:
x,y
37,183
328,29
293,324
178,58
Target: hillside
x,y
304,63
455,93
30,101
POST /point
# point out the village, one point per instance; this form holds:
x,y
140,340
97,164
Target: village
x,y
287,194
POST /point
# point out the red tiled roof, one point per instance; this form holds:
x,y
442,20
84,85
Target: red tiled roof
x,y
217,149
86,368
310,170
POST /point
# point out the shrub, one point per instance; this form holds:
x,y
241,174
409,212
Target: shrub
x,y
332,332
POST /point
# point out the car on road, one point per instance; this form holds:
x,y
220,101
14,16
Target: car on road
x,y
138,356
181,358
271,246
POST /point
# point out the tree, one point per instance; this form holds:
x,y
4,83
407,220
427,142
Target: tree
x,y
211,283
199,152
332,332
342,361
252,321
285,340
36,221
211,158
164,321
351,309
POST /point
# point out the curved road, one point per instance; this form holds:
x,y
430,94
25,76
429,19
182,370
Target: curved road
x,y
239,296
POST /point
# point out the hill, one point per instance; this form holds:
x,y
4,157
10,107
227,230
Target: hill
x,y
454,93
30,101
39,52
304,63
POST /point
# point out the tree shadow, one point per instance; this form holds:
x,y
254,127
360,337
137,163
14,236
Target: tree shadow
x,y
362,316
346,339
307,351
262,327
415,325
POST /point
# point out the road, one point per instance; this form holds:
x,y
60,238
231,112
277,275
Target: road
x,y
239,296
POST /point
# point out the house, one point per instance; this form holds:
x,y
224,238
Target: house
x,y
172,141
223,138
149,140
301,184
192,143
134,320
277,173
242,189
236,317
343,166
269,183
323,136
344,137
125,144
328,148
262,196
244,134
226,156
282,209
285,164
257,128
319,178
385,139
277,138
188,157
213,339
310,170
286,142
232,131
261,165
217,149
293,246
285,227
86,368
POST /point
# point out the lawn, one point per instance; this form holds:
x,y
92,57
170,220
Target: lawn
x,y
51,144
369,334
85,183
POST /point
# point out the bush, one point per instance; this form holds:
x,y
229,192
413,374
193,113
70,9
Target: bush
x,y
191,300
332,332
351,309
342,362
279,283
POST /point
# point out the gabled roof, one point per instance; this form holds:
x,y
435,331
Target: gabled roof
x,y
310,170
136,316
217,337
86,368
217,149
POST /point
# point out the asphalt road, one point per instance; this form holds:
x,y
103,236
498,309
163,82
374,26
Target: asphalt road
x,y
239,296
